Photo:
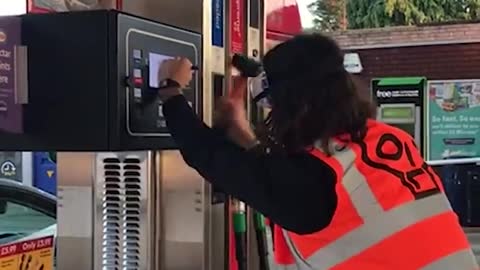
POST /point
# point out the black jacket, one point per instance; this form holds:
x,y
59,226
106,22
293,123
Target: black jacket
x,y
297,192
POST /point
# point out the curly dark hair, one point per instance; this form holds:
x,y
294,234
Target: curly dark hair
x,y
313,97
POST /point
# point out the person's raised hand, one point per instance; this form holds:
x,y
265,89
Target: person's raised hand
x,y
178,70
231,108
231,115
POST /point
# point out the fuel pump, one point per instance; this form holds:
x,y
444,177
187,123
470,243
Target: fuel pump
x,y
120,203
400,103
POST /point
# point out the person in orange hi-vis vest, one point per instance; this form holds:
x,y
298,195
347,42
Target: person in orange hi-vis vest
x,y
346,192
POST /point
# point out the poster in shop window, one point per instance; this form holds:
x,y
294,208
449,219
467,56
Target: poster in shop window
x,y
453,120
11,112
70,5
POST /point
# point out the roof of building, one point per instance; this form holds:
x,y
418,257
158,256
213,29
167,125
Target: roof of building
x,y
402,36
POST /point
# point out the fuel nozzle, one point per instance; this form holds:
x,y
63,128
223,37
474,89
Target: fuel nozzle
x,y
240,230
262,244
248,67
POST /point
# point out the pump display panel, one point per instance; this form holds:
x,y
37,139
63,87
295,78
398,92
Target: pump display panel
x,y
146,52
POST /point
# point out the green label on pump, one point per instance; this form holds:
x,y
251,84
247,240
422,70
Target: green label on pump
x,y
52,156
397,113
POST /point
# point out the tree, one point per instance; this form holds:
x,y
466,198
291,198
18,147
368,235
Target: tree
x,y
381,13
367,14
329,15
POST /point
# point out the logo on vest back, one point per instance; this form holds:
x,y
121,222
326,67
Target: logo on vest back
x,y
416,177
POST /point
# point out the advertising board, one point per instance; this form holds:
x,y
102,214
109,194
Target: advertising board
x,y
453,120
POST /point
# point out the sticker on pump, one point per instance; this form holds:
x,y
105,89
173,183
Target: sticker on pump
x,y
40,6
3,37
155,61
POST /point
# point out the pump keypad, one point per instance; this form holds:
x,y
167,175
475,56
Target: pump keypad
x,y
145,116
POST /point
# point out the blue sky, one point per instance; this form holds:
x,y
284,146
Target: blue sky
x,y
12,7
307,18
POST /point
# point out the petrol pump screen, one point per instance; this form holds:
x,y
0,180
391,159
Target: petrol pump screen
x,y
397,113
401,117
155,61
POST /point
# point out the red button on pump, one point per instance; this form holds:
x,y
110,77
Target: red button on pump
x,y
137,77
138,81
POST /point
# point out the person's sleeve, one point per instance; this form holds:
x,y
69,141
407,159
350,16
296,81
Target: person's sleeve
x,y
296,192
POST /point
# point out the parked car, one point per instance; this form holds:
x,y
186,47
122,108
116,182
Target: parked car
x,y
26,213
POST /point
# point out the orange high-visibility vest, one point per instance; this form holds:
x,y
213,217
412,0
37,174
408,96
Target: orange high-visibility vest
x,y
392,213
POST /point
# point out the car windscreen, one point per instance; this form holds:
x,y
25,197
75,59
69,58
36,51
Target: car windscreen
x,y
23,213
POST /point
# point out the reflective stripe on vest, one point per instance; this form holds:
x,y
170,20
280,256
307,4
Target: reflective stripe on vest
x,y
454,261
362,238
356,185
375,229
